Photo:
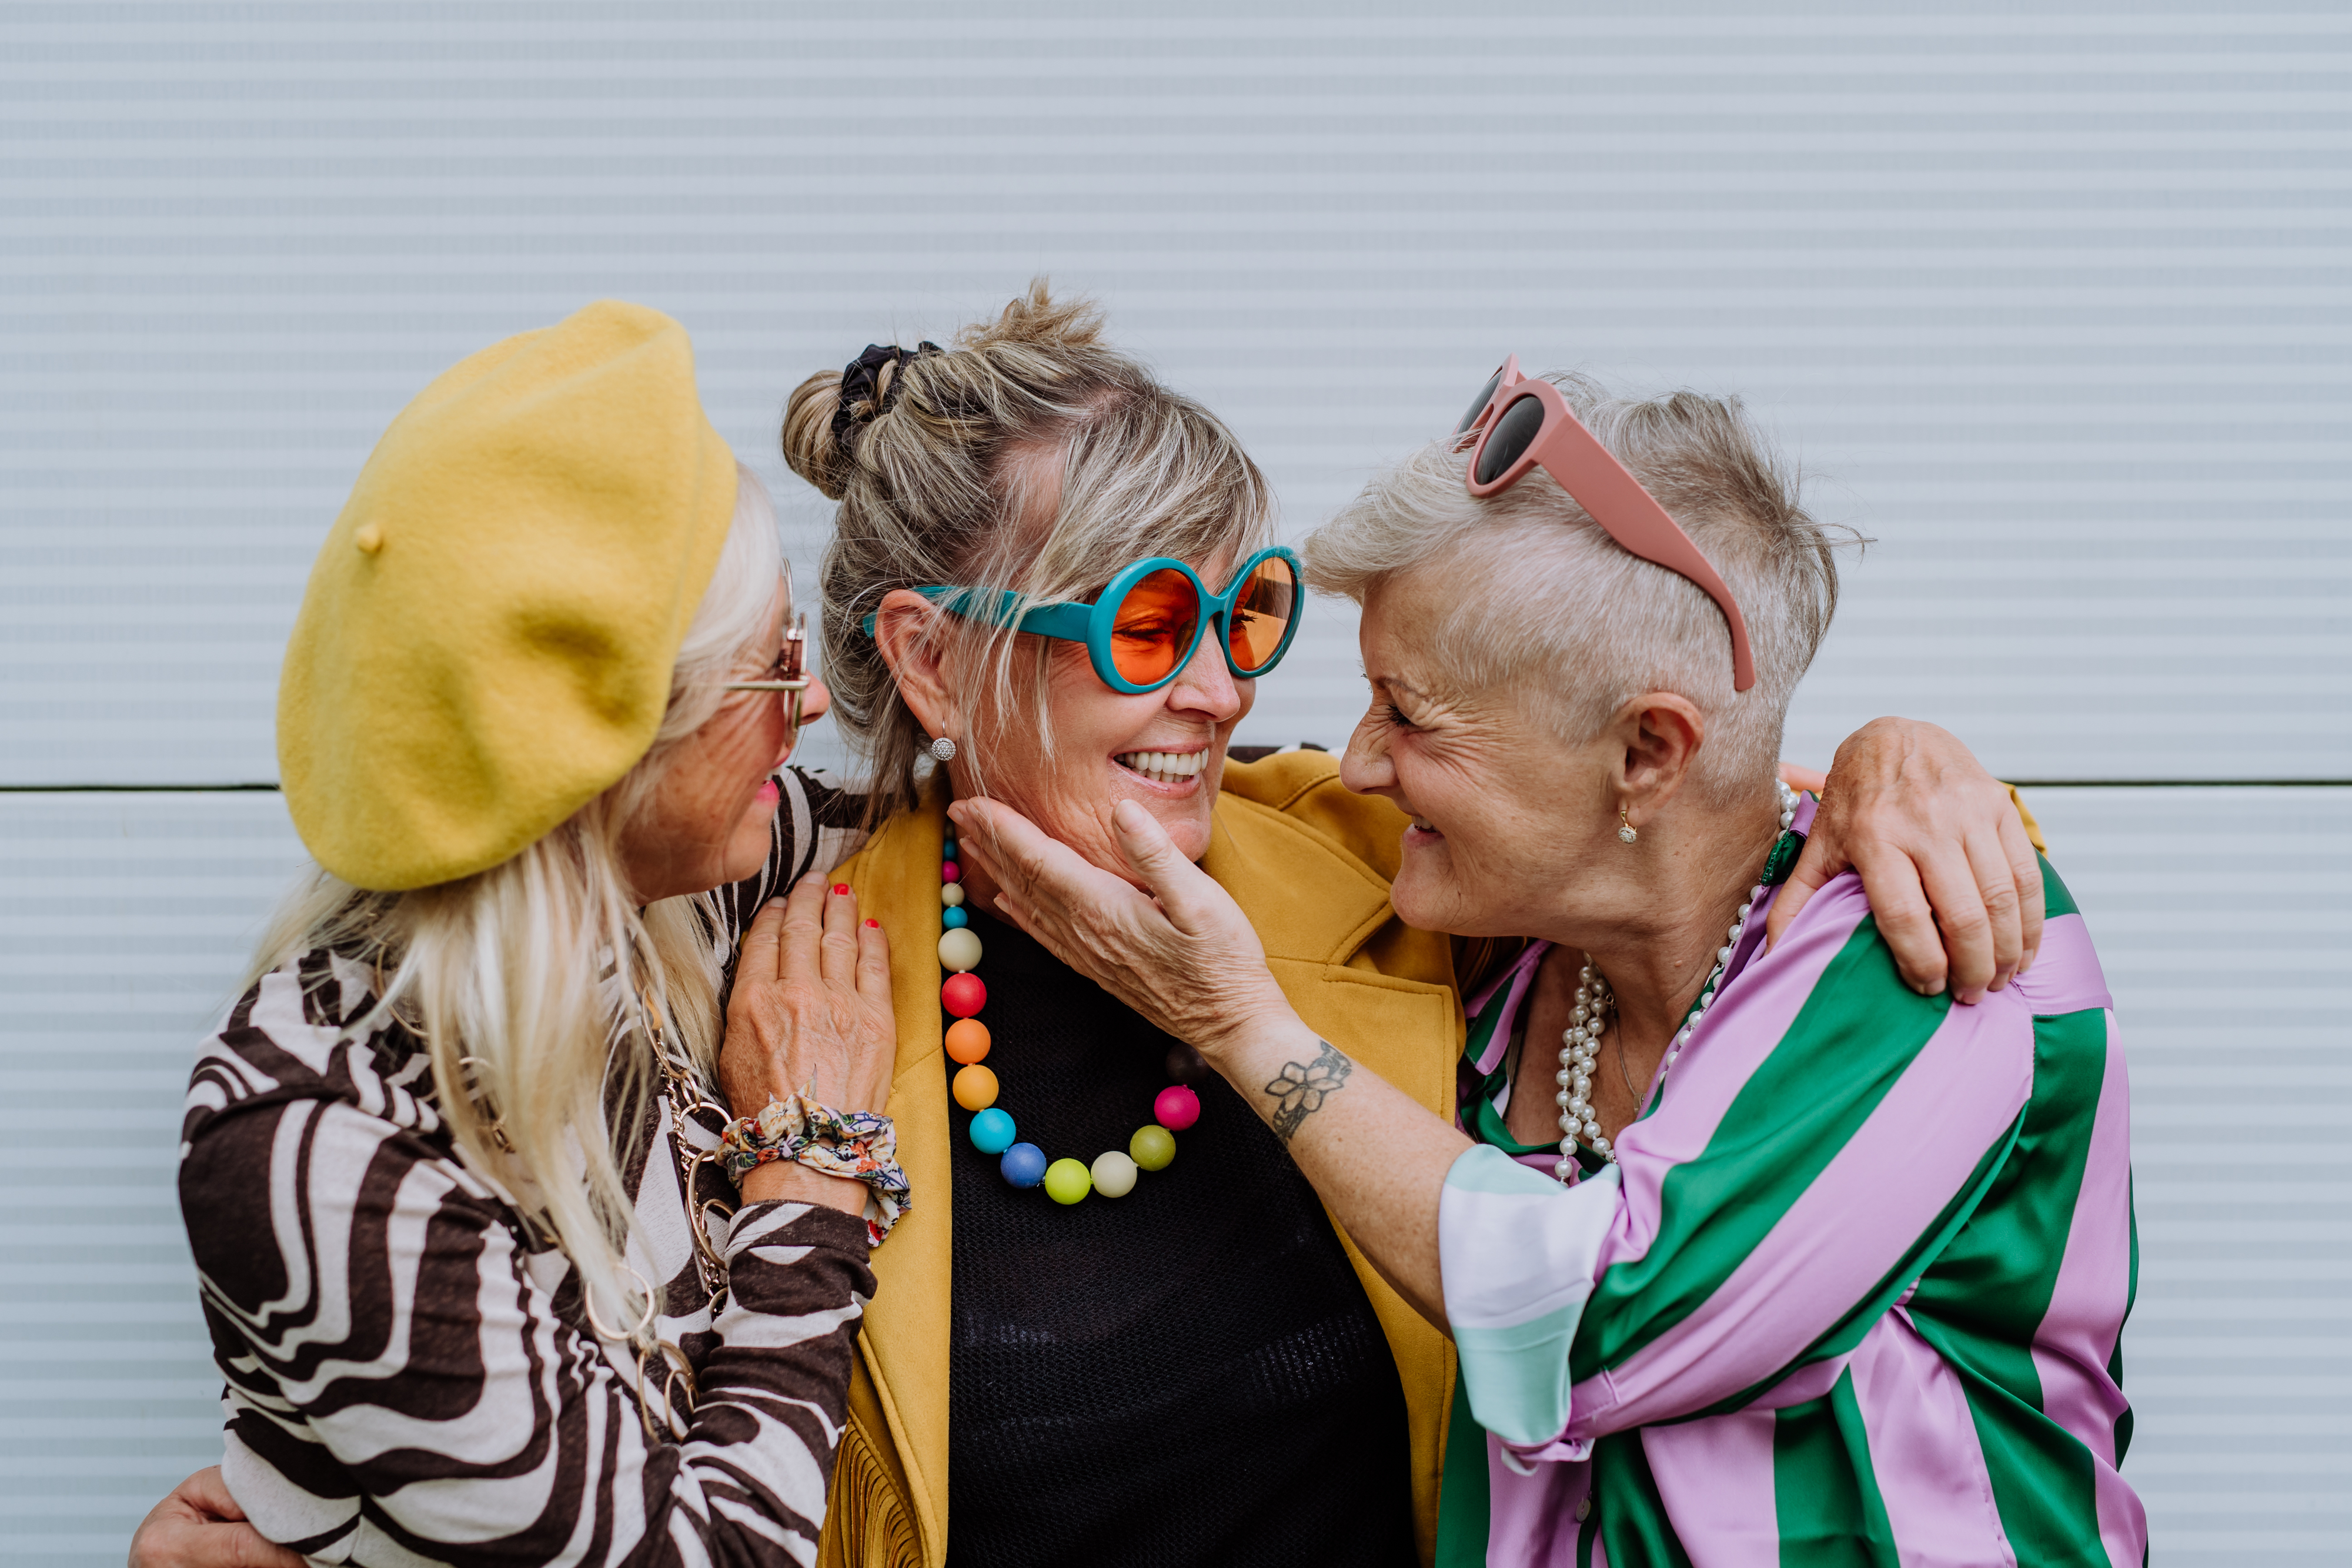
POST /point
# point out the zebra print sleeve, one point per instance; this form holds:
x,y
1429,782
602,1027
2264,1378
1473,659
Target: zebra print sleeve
x,y
408,1375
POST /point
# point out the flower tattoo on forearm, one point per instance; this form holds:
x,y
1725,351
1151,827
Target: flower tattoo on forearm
x,y
1300,1089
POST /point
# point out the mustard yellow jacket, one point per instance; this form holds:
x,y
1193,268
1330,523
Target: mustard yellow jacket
x,y
1310,864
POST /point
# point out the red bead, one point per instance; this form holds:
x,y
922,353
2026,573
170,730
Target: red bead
x,y
1176,1108
963,995
950,872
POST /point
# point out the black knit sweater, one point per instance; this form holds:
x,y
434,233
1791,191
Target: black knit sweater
x,y
1189,1375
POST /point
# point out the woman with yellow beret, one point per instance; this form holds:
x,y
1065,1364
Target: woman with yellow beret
x,y
1121,1327
460,1168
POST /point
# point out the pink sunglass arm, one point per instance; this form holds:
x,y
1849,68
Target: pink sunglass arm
x,y
1616,500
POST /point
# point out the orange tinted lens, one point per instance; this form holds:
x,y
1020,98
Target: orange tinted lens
x,y
1153,630
1261,614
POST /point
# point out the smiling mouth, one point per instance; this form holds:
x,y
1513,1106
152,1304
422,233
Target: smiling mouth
x,y
1164,766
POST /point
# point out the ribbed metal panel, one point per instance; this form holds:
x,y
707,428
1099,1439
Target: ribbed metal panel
x,y
2219,915
2054,304
124,921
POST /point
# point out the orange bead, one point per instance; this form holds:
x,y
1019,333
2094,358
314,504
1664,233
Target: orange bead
x,y
967,1040
975,1088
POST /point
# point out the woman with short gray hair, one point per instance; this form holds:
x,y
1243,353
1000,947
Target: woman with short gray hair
x,y
1792,1258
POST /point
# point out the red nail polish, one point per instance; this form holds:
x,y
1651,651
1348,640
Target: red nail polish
x,y
841,887
875,923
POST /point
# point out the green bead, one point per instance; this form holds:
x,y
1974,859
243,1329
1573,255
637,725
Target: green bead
x,y
1066,1181
1152,1147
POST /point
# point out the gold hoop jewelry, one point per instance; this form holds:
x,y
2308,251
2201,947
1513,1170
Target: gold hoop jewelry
x,y
605,1330
1626,834
674,1370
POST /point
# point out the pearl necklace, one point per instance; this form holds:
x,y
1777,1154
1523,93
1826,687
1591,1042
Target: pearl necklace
x,y
1580,1042
1024,1165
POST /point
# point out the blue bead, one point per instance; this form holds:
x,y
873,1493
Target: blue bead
x,y
954,919
992,1132
1024,1165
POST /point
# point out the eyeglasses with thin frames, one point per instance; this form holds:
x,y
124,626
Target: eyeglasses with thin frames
x,y
788,674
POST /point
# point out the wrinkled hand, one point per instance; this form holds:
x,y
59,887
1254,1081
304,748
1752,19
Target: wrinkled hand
x,y
1182,956
810,1008
200,1526
1952,878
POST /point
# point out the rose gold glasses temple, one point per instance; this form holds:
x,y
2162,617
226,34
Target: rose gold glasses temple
x,y
791,665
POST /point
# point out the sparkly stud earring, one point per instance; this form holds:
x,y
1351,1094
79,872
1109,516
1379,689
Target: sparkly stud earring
x,y
943,750
1625,834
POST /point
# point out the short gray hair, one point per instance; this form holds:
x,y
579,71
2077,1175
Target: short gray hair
x,y
1573,617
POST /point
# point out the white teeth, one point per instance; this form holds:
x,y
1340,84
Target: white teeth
x,y
1165,766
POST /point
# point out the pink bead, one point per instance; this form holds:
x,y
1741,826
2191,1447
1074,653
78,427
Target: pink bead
x,y
950,872
1176,1108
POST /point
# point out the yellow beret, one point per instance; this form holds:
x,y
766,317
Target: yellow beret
x,y
488,634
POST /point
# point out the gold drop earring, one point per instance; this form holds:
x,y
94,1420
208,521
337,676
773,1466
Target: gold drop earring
x,y
1625,834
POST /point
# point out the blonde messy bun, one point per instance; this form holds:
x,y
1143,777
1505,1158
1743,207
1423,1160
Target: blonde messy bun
x,y
808,433
1030,340
924,469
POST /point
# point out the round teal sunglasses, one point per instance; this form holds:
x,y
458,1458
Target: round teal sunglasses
x,y
1143,630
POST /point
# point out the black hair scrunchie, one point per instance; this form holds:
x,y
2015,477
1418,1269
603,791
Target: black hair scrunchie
x,y
860,402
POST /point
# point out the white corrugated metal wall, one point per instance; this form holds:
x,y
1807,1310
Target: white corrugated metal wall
x,y
2053,303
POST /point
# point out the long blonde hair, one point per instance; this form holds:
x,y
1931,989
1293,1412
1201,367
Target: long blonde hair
x,y
1030,457
521,979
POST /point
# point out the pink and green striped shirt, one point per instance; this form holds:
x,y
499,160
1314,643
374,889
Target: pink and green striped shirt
x,y
1853,1293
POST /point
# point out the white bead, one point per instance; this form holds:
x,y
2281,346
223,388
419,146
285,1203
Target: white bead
x,y
959,948
1745,910
1722,957
1562,1078
1561,1171
1560,1100
952,895
1583,1082
1113,1174
1591,1128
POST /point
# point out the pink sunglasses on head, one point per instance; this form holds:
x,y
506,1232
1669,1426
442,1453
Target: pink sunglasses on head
x,y
1516,421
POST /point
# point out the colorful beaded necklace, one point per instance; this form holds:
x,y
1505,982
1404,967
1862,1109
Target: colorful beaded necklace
x,y
1024,1165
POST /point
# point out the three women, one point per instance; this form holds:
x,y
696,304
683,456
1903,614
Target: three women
x,y
1200,1368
